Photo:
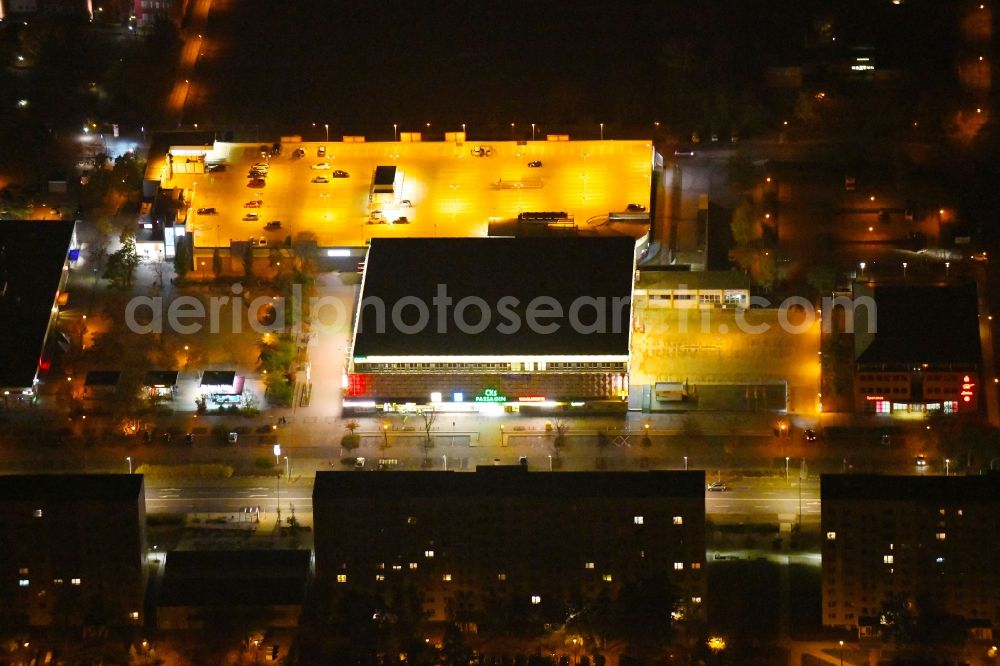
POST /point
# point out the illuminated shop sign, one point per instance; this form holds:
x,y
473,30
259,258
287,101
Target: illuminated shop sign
x,y
491,395
968,389
531,398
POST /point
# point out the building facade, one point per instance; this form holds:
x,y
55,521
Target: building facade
x,y
464,539
900,372
488,324
931,542
72,549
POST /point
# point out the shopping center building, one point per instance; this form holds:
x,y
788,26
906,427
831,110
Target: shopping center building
x,y
493,324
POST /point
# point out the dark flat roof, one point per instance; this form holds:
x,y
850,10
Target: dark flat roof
x,y
565,269
385,175
235,578
910,488
924,324
71,487
160,378
102,378
510,481
32,255
218,378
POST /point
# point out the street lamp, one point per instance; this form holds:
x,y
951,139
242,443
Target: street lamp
x,y
685,463
532,131
395,132
512,131
277,454
326,126
129,459
288,471
602,131
862,267
904,269
841,653
947,463
787,458
947,268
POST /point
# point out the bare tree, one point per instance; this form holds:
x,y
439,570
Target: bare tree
x,y
559,441
429,417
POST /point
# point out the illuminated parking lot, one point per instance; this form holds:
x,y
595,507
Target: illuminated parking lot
x,y
450,190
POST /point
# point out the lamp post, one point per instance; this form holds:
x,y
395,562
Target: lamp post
x,y
326,126
129,459
463,130
904,269
532,131
512,131
602,131
685,463
395,132
288,469
277,454
947,464
947,268
787,458
841,653
862,267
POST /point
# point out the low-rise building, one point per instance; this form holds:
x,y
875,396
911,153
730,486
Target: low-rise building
x,y
506,533
72,549
917,350
483,324
34,264
699,290
930,544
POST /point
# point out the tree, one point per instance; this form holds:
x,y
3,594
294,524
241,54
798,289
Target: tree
x,y
248,263
216,262
641,614
429,416
123,262
746,225
559,441
351,440
740,170
182,257
279,390
823,278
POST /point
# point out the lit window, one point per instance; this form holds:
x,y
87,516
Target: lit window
x,y
24,582
941,512
380,577
446,578
428,553
381,565
501,576
678,566
678,520
74,581
134,615
888,559
606,578
637,520
960,512
831,536
397,567
939,560
411,520
23,571
38,513
535,599
696,565
696,600
57,581
940,536
588,565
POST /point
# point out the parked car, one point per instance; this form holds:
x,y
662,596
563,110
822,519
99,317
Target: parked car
x,y
299,152
401,220
810,435
321,151
683,152
717,487
252,204
359,463
405,203
321,166
251,217
272,225
635,208
340,173
207,211
232,437
321,179
921,462
259,166
216,168
534,164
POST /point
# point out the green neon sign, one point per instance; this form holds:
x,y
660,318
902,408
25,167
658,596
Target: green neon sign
x,y
491,395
